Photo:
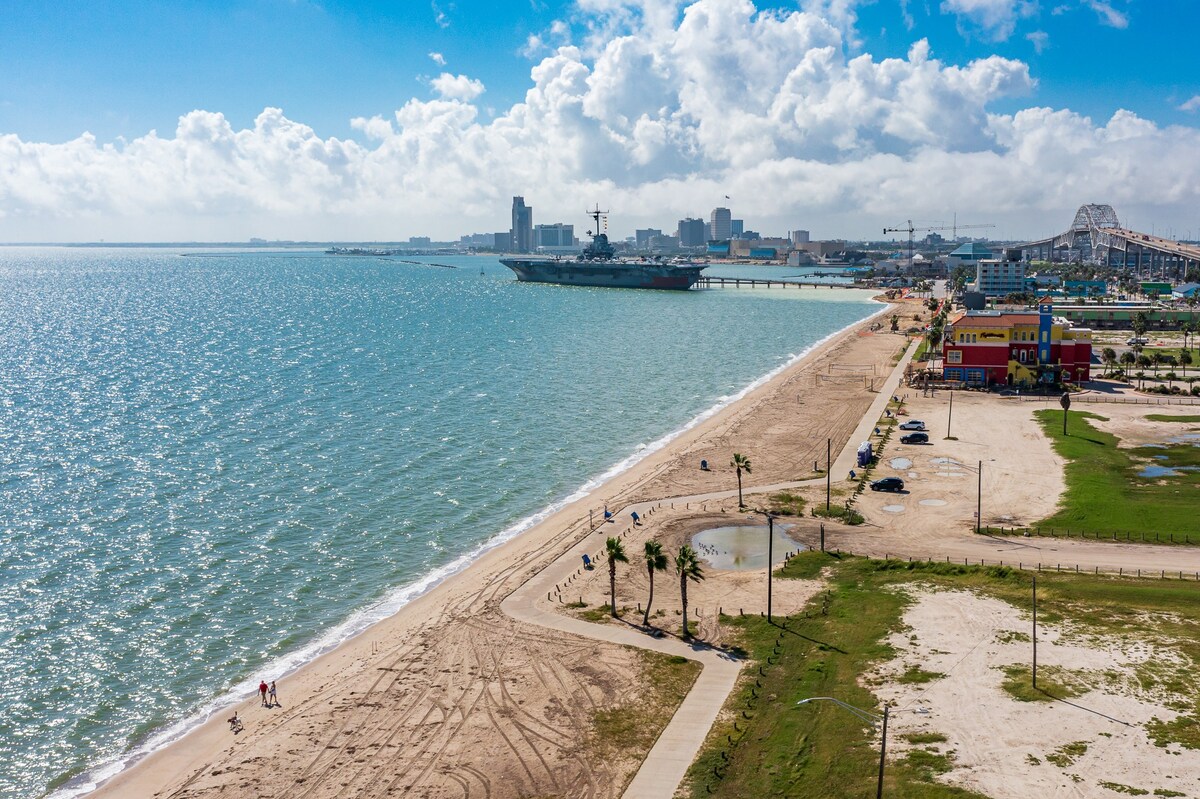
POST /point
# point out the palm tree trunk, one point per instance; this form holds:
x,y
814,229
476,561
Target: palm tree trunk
x,y
739,474
683,597
649,600
612,585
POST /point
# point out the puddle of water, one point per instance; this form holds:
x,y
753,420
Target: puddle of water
x,y
1157,471
900,463
1161,457
894,508
933,503
1186,438
743,547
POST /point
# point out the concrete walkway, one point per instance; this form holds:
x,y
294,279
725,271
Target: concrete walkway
x,y
668,760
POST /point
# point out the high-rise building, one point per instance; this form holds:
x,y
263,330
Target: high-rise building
x,y
736,227
692,232
644,237
720,224
522,225
800,237
556,235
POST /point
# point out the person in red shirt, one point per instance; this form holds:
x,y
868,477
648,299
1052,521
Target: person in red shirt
x,y
262,691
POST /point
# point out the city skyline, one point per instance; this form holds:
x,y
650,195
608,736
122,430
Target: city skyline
x,y
233,121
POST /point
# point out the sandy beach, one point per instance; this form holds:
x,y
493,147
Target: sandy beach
x,y
451,697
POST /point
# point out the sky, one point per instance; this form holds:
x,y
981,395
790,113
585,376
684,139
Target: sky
x,y
286,119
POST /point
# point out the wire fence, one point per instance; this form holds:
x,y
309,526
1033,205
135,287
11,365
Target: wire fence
x,y
1164,400
1039,567
1125,536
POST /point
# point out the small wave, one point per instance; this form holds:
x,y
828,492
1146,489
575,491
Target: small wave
x,y
392,603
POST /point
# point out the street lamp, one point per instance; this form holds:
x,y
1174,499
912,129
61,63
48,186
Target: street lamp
x,y
770,552
871,719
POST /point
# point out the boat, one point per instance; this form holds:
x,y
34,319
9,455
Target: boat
x,y
598,265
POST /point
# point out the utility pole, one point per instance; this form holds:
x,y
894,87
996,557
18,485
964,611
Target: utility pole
x,y
770,559
828,449
979,500
1035,631
882,753
950,416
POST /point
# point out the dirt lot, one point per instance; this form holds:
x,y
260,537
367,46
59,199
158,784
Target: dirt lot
x,y
1094,744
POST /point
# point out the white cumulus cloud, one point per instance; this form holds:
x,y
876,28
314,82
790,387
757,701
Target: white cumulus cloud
x,y
660,115
1191,105
437,58
456,87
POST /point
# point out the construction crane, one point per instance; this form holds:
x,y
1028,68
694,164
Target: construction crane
x,y
910,230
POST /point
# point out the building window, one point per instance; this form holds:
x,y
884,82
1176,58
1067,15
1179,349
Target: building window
x,y
1045,336
1023,354
954,356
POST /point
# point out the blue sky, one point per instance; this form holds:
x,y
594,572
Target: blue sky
x,y
124,68
291,119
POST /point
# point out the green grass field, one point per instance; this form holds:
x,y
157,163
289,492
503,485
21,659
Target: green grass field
x,y
1104,490
770,746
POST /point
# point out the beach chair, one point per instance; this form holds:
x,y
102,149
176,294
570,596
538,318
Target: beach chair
x,y
587,563
636,519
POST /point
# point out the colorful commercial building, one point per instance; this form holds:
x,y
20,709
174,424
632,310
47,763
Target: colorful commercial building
x,y
1023,348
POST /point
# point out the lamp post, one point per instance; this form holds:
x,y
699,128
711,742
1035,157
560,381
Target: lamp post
x,y
871,719
770,553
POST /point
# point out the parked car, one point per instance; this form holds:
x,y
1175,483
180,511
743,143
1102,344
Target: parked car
x,y
913,424
915,438
1137,340
888,484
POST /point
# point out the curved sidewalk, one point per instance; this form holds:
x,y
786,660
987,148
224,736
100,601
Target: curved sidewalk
x,y
668,760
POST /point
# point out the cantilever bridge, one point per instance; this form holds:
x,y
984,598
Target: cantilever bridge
x,y
1097,235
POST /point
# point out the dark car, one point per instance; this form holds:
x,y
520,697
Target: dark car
x,y
915,438
888,484
913,424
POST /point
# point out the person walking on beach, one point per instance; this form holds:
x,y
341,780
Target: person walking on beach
x,y
271,694
262,692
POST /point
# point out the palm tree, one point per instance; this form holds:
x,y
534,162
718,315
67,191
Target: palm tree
x,y
656,561
688,566
1128,359
1156,360
1138,324
740,462
614,550
1109,356
1185,360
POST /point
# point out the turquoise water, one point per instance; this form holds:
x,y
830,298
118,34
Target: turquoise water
x,y
214,466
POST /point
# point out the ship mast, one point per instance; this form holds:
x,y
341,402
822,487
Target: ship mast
x,y
596,213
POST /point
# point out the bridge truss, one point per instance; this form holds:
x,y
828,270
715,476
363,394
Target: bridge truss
x,y
1097,236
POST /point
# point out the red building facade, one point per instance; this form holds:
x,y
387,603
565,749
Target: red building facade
x,y
985,348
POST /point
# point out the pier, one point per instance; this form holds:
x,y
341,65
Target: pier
x,y
758,283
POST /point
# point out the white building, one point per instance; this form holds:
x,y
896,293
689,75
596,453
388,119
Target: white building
x,y
995,278
720,224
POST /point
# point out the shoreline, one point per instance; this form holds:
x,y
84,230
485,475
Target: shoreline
x,y
164,755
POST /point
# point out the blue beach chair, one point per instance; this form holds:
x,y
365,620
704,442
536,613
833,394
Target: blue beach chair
x,y
587,563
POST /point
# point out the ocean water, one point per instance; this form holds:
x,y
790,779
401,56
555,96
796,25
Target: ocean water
x,y
215,464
